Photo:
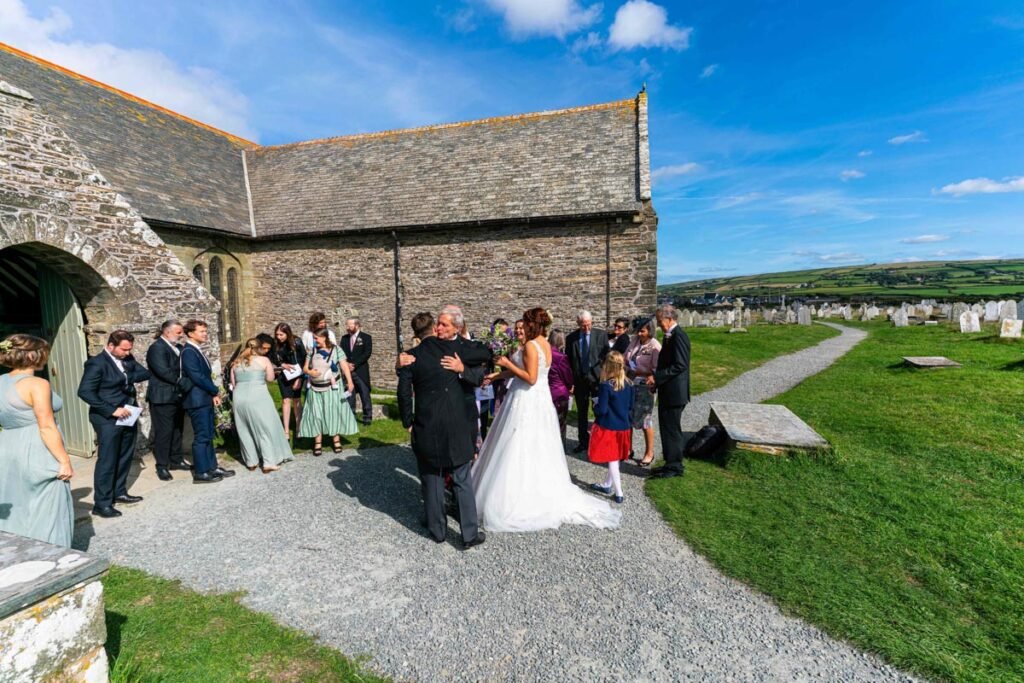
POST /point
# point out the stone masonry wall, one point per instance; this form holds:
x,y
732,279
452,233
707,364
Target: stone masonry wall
x,y
491,272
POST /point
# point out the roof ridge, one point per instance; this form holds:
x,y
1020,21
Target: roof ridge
x,y
127,95
631,102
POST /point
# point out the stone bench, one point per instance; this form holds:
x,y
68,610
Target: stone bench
x,y
52,625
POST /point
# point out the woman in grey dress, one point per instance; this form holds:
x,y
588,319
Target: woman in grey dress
x,y
35,469
260,432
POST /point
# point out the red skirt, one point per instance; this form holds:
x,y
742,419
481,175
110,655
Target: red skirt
x,y
609,445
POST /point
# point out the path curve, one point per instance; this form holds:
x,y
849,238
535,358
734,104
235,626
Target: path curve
x,y
333,546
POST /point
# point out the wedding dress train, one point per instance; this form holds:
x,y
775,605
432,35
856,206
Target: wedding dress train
x,y
522,479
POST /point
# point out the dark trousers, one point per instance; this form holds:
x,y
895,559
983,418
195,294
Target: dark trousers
x,y
432,479
362,387
562,410
582,392
203,457
114,460
670,425
168,423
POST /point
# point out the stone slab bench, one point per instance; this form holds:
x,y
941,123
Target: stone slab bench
x,y
52,624
764,428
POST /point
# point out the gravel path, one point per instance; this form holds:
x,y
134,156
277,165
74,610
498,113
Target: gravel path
x,y
333,546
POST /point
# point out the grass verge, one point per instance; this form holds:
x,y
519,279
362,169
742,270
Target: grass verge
x,y
908,537
159,631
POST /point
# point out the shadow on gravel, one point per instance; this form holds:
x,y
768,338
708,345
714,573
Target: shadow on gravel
x,y
384,480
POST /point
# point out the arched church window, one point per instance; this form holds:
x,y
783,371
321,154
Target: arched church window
x,y
197,273
234,324
218,294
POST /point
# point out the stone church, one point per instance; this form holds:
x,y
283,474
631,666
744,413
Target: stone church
x,y
118,213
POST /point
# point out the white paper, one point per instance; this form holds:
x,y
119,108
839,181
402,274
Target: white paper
x,y
485,393
131,418
292,374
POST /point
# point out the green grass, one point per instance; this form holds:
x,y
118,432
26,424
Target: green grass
x,y
159,631
907,538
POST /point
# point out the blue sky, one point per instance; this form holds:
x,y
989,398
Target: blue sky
x,y
784,135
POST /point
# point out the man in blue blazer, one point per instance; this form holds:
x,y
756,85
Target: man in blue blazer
x,y
199,403
108,386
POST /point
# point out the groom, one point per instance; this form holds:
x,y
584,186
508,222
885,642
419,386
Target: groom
x,y
443,434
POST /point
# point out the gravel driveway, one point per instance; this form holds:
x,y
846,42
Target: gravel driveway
x,y
333,546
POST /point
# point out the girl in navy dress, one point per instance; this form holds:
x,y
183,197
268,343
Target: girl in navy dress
x,y
610,436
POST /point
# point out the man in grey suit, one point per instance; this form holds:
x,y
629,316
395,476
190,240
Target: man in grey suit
x,y
586,348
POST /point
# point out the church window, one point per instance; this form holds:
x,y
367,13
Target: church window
x,y
218,294
197,273
234,324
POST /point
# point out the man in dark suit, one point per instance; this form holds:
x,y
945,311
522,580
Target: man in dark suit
x,y
619,341
443,431
586,348
108,386
166,390
358,346
199,402
672,379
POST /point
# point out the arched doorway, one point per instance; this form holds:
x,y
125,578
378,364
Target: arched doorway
x,y
40,293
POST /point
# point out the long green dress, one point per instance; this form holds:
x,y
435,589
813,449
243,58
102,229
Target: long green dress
x,y
260,432
33,502
325,410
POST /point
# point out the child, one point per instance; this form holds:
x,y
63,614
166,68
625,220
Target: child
x,y
611,435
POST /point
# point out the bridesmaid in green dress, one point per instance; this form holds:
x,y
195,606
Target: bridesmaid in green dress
x,y
35,469
326,411
259,428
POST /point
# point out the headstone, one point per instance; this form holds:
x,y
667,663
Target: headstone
x,y
1008,310
871,313
790,316
925,310
766,428
991,311
803,316
979,309
813,312
900,318
930,362
847,312
959,308
769,315
1020,310
1011,329
969,322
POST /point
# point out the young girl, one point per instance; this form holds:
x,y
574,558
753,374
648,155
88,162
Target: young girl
x,y
610,436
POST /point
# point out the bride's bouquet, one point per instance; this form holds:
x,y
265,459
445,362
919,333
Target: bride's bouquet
x,y
500,343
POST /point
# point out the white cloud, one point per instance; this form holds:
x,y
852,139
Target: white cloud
x,y
557,18
838,257
864,153
738,200
640,23
666,172
716,269
588,42
925,239
907,259
709,71
984,186
196,92
851,174
916,136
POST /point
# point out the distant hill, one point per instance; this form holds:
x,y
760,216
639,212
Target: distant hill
x,y
923,279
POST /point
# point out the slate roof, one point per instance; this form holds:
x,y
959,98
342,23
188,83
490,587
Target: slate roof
x,y
170,168
568,163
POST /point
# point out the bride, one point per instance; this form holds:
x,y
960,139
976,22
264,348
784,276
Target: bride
x,y
521,478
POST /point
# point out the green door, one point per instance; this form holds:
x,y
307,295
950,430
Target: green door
x,y
62,326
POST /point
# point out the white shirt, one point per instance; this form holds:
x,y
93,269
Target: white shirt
x,y
118,363
177,351
671,331
307,339
199,349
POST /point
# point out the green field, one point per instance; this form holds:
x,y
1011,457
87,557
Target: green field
x,y
907,538
933,280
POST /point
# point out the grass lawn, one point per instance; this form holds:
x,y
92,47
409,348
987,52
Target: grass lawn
x,y
159,631
908,537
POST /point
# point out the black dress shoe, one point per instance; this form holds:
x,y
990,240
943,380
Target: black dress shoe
x,y
223,472
582,448
127,499
662,473
206,477
109,511
367,423
163,473
479,540
183,466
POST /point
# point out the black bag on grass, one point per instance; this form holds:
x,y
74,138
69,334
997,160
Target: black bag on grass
x,y
706,443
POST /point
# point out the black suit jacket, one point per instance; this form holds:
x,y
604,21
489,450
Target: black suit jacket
x,y
621,343
443,431
587,371
360,355
166,384
673,374
105,388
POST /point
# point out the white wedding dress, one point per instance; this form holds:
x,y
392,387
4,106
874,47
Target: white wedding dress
x,y
521,479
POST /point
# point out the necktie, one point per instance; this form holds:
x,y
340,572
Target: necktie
x,y
585,347
352,343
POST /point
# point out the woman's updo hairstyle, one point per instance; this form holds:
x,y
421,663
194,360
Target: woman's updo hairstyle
x,y
536,321
20,351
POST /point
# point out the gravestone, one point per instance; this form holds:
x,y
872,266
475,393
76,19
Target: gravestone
x,y
790,317
1008,310
847,312
930,362
871,313
959,308
769,315
979,309
991,311
969,322
764,428
925,310
813,311
803,316
1020,310
1010,329
900,318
